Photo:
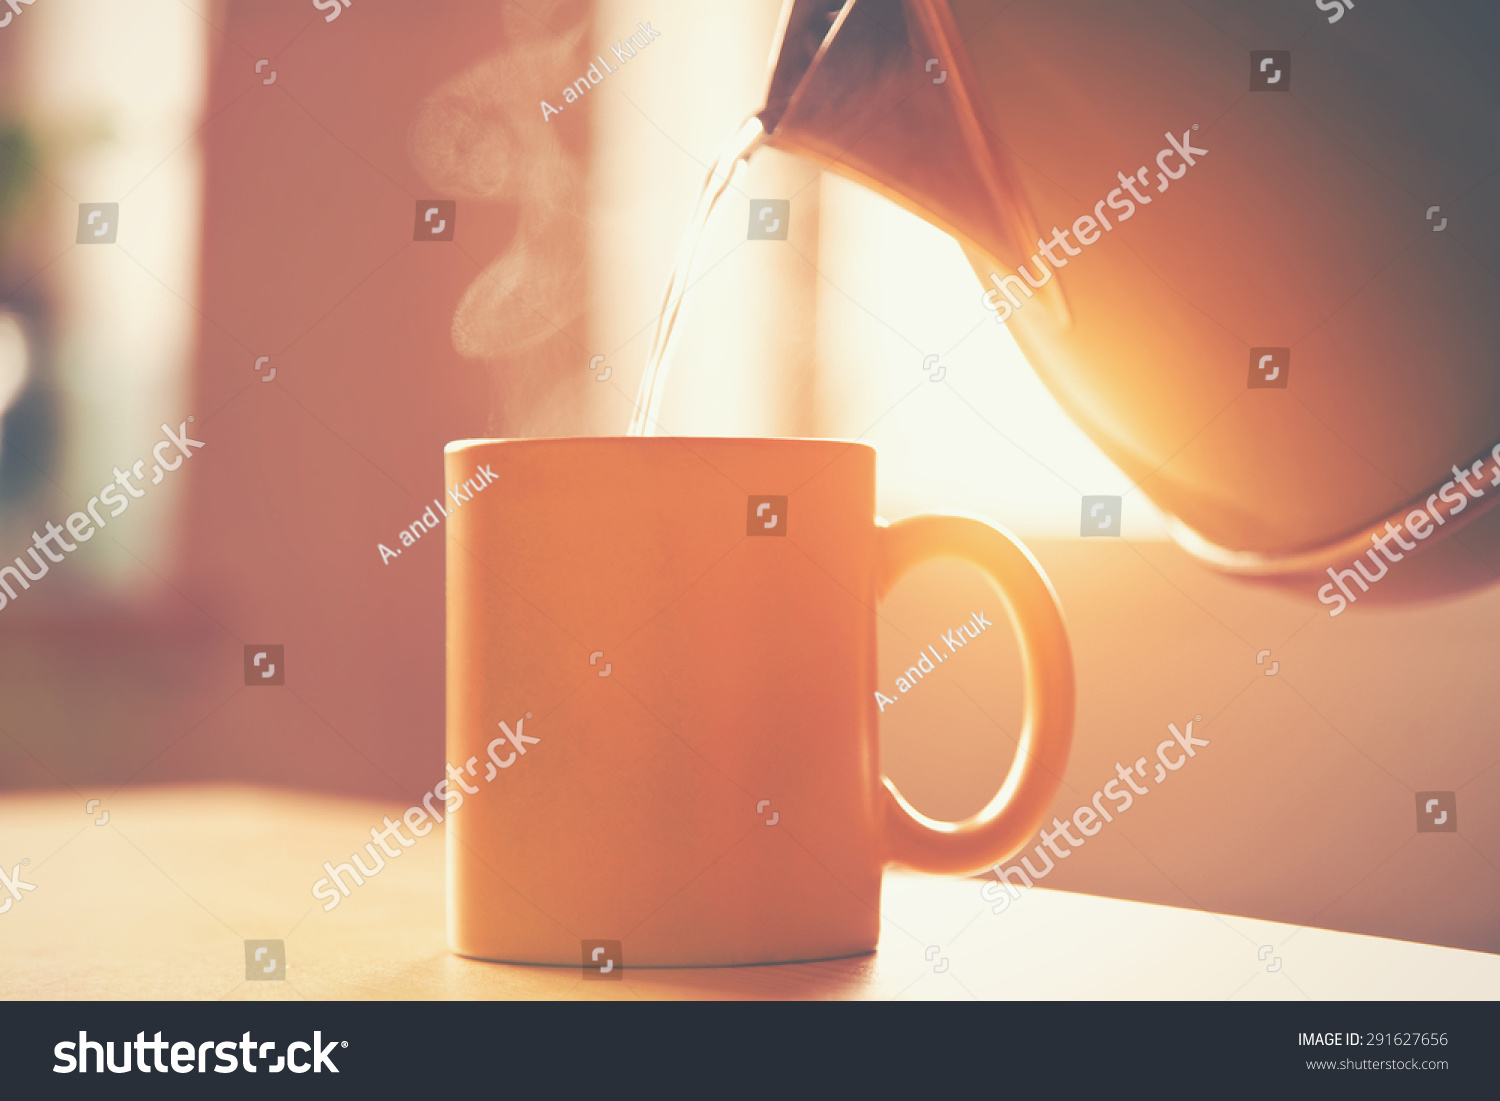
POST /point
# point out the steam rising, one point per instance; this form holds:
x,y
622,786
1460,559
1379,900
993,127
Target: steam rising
x,y
481,136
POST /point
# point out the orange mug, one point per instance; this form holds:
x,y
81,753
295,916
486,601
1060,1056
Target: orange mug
x,y
662,720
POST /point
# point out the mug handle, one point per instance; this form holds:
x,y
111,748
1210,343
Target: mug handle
x,y
1020,807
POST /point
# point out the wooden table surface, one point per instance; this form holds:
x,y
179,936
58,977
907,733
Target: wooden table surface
x,y
157,902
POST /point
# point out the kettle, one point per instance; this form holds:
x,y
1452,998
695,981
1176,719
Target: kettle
x,y
1253,253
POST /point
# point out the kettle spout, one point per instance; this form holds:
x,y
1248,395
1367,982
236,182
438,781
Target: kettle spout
x,y
805,26
883,92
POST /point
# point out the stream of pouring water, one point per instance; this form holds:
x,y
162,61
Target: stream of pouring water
x,y
659,359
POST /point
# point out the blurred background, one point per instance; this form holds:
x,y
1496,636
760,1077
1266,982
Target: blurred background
x,y
265,281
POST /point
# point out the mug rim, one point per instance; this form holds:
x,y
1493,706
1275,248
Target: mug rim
x,y
454,447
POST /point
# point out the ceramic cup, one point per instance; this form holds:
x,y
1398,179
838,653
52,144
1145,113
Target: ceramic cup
x,y
662,721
